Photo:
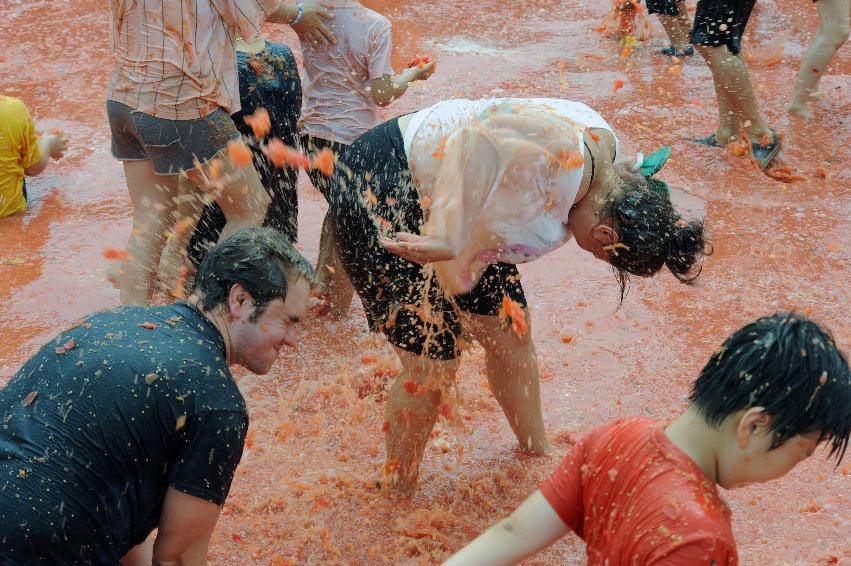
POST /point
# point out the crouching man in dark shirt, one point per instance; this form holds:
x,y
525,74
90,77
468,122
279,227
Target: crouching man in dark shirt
x,y
131,420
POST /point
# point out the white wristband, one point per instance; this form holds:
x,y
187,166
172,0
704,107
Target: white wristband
x,y
299,14
639,161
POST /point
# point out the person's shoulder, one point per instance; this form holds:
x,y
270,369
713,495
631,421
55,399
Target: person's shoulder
x,y
277,49
627,428
171,334
13,108
376,21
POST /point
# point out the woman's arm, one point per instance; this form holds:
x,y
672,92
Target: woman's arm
x,y
467,173
531,528
52,146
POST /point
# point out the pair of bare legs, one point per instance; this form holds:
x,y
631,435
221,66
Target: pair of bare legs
x,y
677,27
155,202
332,283
737,108
834,20
512,372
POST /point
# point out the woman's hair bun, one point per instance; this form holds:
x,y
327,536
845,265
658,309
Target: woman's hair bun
x,y
685,247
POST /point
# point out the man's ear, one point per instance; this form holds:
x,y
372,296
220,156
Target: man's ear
x,y
753,422
240,301
604,234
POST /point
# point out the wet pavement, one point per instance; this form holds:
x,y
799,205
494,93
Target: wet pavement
x,y
303,493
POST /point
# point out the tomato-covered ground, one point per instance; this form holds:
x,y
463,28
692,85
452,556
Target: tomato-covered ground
x,y
303,493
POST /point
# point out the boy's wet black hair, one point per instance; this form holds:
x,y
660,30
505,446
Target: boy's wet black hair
x,y
652,234
791,367
259,259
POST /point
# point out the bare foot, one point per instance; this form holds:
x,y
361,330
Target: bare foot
x,y
543,448
722,137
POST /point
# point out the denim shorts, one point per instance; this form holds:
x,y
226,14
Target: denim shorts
x,y
171,145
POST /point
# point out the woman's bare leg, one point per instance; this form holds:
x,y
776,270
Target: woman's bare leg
x,y
512,370
677,27
834,16
731,78
331,278
153,204
188,206
238,192
411,413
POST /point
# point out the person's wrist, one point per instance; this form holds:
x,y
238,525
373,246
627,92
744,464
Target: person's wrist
x,y
299,14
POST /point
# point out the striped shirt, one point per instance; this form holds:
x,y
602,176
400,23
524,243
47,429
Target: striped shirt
x,y
175,59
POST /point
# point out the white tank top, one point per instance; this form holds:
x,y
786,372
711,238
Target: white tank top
x,y
520,224
440,120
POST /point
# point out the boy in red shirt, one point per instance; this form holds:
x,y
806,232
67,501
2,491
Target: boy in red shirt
x,y
641,493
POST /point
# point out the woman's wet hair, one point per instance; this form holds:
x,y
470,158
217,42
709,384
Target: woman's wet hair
x,y
259,259
652,234
791,367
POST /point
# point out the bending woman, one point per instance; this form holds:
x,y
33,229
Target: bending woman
x,y
475,187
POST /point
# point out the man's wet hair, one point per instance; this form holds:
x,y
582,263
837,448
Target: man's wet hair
x,y
791,367
259,259
653,235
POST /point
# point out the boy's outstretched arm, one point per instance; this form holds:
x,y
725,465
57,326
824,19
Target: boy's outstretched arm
x,y
387,89
51,146
531,528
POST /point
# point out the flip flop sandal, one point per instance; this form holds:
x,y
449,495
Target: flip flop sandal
x,y
764,154
671,52
655,161
708,141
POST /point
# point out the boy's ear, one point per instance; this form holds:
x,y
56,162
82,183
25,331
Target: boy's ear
x,y
754,421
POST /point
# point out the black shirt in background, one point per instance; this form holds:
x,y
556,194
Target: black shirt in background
x,y
268,79
101,421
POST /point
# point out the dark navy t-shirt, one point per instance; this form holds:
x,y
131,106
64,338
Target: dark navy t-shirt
x,y
101,421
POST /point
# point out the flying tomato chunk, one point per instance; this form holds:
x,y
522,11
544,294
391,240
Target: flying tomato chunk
x,y
239,153
420,61
259,123
324,161
114,253
282,156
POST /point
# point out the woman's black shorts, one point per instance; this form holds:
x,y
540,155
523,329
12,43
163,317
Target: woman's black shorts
x,y
371,194
721,22
663,7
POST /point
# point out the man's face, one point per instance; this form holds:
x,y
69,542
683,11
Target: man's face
x,y
257,344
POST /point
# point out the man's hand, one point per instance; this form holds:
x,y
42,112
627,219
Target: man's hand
x,y
417,248
312,26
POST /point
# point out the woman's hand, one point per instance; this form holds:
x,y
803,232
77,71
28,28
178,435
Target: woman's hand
x,y
417,248
312,26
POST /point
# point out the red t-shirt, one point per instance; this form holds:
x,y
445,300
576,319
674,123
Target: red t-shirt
x,y
637,499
